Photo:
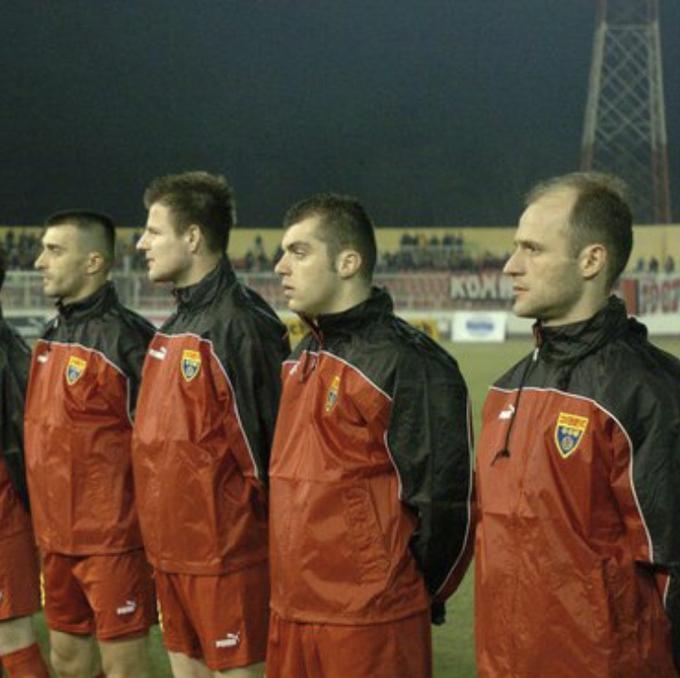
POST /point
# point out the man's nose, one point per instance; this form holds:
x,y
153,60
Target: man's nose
x,y
281,265
512,265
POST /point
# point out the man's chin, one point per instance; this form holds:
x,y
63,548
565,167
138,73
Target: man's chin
x,y
521,311
156,277
299,309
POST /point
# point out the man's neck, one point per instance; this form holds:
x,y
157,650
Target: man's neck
x,y
201,267
84,293
347,300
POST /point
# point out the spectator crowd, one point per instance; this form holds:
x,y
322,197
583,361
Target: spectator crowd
x,y
416,252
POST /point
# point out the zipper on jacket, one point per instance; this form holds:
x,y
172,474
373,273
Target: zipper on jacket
x,y
309,359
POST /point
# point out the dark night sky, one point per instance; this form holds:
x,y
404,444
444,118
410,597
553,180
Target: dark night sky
x,y
431,111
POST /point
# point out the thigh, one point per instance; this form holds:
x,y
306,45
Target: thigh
x,y
129,657
66,606
229,615
119,589
72,655
187,667
16,634
19,576
252,671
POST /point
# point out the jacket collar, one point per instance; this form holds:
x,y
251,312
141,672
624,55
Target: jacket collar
x,y
378,303
204,291
97,302
569,343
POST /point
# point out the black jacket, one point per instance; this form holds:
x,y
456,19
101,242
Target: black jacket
x,y
15,360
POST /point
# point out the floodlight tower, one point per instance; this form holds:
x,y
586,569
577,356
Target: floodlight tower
x,y
625,124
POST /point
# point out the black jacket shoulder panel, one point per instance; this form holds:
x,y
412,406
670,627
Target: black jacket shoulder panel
x,y
101,323
15,359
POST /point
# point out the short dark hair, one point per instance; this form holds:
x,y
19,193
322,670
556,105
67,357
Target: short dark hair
x,y
89,221
601,213
198,198
343,223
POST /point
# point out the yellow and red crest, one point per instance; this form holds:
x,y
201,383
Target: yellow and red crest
x,y
569,432
75,369
190,364
332,395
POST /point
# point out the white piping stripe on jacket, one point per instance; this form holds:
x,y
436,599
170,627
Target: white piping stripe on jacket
x,y
231,388
468,501
623,430
400,486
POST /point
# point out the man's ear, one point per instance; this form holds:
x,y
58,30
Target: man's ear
x,y
592,260
348,263
96,262
194,237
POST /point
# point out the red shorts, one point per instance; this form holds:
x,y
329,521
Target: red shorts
x,y
397,649
220,619
109,596
19,576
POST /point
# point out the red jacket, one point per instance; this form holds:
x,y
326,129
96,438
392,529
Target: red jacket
x,y
78,427
578,494
370,473
205,419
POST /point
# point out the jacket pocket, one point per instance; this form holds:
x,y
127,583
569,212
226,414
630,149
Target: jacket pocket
x,y
365,535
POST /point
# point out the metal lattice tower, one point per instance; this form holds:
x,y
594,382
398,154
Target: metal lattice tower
x,y
625,124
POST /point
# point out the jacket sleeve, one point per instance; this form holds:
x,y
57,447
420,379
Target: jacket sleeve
x,y
647,488
135,343
429,439
13,391
252,358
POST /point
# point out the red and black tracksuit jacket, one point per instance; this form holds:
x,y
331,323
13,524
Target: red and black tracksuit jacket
x,y
578,491
204,425
78,426
370,477
15,359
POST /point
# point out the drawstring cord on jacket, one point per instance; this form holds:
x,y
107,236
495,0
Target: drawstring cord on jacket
x,y
309,359
505,451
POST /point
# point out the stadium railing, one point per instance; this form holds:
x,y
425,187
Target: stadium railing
x,y
410,290
427,297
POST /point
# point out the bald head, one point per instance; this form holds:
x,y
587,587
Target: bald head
x,y
599,213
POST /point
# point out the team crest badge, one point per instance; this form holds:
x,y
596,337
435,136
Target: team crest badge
x,y
569,432
74,369
332,395
190,364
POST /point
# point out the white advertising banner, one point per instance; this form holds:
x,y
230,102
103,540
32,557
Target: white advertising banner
x,y
479,326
